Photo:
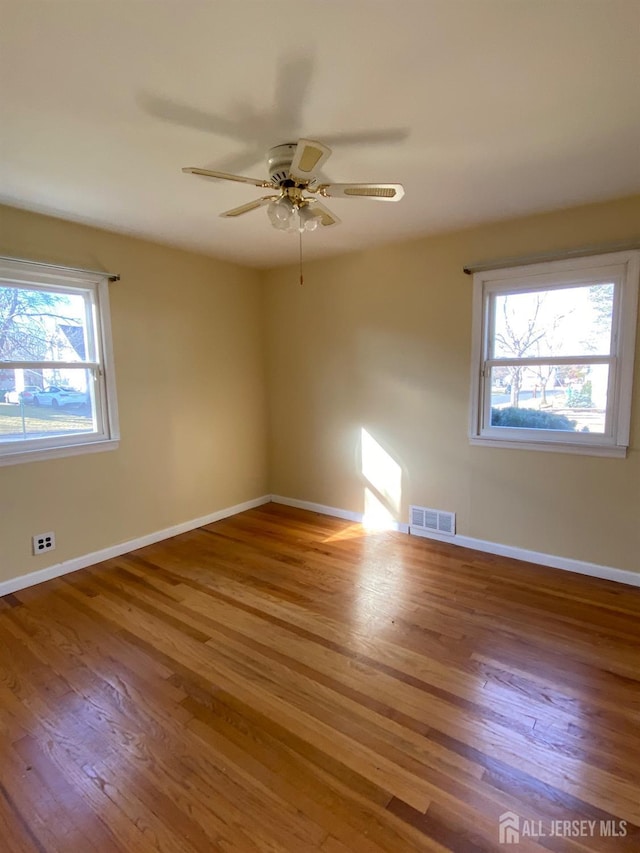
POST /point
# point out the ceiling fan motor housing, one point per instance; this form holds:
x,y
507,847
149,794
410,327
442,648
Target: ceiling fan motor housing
x,y
279,161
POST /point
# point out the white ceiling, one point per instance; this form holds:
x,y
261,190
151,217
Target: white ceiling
x,y
483,109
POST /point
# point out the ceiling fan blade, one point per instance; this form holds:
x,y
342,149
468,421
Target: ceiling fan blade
x,y
326,216
308,158
379,192
225,176
177,113
241,160
245,208
293,79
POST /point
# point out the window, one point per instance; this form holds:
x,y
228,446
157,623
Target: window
x,y
553,351
57,392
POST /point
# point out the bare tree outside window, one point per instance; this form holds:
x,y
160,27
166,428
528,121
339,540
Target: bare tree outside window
x,y
27,332
525,335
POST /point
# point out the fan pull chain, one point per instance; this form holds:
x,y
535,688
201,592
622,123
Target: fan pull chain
x,y
301,276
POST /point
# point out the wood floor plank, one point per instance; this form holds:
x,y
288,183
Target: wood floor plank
x,y
122,713
285,681
413,703
17,829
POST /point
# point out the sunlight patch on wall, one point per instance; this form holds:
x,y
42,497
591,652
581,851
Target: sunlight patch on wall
x,y
376,515
383,488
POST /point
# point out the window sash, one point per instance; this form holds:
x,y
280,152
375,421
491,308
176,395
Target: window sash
x,y
88,292
58,440
607,436
549,359
100,432
495,289
50,365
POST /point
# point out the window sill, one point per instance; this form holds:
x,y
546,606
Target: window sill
x,y
38,455
615,451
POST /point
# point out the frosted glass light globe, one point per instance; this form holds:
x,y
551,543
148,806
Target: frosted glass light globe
x,y
309,218
281,213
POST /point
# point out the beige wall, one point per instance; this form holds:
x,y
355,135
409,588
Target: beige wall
x,y
376,340
187,333
381,340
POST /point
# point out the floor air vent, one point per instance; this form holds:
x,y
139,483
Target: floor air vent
x,y
432,520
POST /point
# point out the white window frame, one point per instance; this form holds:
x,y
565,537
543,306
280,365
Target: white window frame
x,y
621,268
50,278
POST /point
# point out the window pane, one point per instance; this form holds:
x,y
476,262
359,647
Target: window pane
x,y
564,321
568,397
43,326
45,403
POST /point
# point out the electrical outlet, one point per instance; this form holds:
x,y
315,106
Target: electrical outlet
x,y
44,542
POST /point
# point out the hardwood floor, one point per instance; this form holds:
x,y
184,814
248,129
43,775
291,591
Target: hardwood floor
x,y
284,681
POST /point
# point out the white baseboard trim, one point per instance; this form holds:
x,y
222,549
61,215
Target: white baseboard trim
x,y
346,514
33,578
565,563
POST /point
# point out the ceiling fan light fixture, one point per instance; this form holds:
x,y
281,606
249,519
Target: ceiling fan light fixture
x,y
281,213
293,171
309,218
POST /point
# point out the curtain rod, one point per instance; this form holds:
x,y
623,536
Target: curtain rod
x,y
503,263
112,276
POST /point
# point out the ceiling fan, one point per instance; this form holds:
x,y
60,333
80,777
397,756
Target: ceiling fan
x,y
293,172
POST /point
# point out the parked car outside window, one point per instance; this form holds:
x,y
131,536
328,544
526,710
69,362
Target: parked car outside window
x,y
55,396
26,396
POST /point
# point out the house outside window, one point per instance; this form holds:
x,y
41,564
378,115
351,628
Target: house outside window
x,y
553,352
57,388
